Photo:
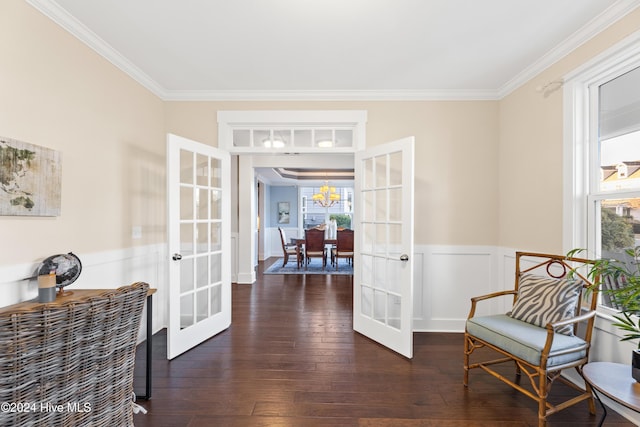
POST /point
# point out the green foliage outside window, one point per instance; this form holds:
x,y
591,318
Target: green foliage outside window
x,y
342,220
617,231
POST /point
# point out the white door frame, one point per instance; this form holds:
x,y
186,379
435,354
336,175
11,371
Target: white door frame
x,y
246,198
253,156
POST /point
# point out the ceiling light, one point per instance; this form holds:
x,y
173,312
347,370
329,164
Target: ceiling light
x,y
273,143
327,196
325,143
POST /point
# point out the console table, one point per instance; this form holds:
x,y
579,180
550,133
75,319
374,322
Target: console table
x,y
613,380
76,294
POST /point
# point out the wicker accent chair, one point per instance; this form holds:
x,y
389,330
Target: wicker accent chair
x,y
343,248
288,249
540,333
314,246
78,353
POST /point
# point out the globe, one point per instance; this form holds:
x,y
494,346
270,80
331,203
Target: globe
x,y
66,266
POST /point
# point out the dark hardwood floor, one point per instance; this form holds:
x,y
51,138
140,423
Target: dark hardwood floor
x,y
291,358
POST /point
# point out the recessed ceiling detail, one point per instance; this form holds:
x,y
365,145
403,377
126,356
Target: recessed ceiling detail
x,y
315,174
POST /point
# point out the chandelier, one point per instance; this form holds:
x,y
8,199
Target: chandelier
x,y
327,196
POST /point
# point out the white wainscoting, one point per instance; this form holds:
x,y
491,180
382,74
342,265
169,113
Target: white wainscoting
x,y
106,270
445,279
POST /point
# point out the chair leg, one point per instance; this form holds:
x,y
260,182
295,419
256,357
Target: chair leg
x,y
465,378
286,259
542,400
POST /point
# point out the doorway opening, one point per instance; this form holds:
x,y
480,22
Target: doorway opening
x,y
285,200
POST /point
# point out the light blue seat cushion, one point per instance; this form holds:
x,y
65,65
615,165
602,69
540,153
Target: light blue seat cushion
x,y
522,339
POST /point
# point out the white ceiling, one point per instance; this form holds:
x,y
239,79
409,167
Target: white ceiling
x,y
333,49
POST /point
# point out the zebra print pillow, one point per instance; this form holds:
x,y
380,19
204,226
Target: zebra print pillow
x,y
543,300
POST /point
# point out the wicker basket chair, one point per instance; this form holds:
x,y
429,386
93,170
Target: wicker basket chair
x,y
72,362
540,333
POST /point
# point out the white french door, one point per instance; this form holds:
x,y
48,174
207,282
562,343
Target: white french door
x,y
198,193
383,265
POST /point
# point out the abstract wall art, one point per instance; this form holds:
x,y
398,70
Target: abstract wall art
x,y
283,213
30,179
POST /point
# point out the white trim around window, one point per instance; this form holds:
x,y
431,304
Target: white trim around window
x,y
579,230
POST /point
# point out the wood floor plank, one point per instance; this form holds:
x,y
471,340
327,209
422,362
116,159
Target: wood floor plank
x,y
291,358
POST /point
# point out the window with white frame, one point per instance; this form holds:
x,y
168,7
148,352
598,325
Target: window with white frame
x,y
314,215
602,154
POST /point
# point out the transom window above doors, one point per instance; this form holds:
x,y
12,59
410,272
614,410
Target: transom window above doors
x,y
340,131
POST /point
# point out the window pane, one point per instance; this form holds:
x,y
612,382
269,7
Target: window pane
x,y
344,138
241,138
619,231
619,105
620,163
619,132
619,225
302,138
261,138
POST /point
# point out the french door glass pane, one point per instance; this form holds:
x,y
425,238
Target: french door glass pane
x,y
186,310
216,236
216,164
186,167
216,268
202,241
186,239
202,170
186,275
202,305
216,299
381,171
202,272
186,202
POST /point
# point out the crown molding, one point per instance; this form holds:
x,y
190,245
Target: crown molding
x,y
57,14
614,13
61,17
331,95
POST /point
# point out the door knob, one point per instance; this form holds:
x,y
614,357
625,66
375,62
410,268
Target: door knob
x,y
177,257
404,257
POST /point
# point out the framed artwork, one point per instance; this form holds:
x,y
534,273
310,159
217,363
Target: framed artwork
x,y
283,213
30,179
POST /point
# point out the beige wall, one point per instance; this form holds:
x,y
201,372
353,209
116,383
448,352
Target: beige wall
x,y
57,93
487,172
530,153
456,156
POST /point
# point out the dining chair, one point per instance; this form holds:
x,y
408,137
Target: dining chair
x,y
289,249
343,247
314,246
